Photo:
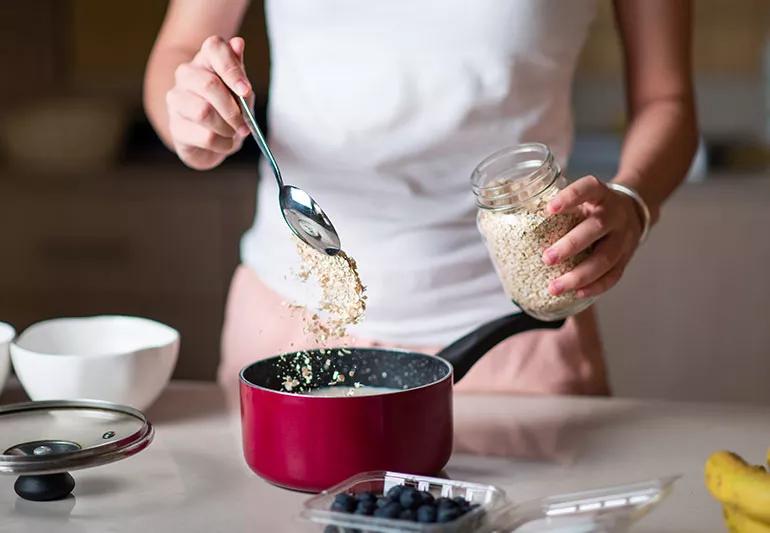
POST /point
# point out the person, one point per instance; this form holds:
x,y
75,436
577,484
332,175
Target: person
x,y
381,110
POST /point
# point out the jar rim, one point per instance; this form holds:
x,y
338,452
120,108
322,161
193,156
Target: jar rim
x,y
536,173
508,151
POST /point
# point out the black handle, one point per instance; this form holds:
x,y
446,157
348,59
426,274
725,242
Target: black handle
x,y
465,352
44,488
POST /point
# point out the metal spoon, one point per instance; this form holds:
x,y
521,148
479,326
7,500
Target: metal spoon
x,y
301,213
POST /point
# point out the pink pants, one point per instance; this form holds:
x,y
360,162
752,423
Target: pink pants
x,y
565,361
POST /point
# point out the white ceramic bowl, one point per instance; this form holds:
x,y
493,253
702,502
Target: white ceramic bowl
x,y
7,333
121,359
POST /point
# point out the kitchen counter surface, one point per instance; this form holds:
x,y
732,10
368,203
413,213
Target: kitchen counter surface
x,y
193,478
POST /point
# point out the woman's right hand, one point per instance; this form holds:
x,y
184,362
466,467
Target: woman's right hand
x,y
205,121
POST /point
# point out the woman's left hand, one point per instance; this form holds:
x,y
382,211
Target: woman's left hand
x,y
611,222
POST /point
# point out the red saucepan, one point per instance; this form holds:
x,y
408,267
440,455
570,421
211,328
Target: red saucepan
x,y
310,443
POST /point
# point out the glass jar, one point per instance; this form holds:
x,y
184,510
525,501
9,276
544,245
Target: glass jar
x,y
512,188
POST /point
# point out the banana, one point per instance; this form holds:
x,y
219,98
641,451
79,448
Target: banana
x,y
768,457
734,482
737,522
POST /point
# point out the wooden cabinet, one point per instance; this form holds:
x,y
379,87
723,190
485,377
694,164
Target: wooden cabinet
x,y
151,241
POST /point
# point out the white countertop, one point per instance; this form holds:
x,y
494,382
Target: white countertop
x,y
193,478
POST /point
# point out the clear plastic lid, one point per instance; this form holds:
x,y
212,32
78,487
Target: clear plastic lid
x,y
610,509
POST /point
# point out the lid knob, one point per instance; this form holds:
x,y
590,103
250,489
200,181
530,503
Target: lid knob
x,y
44,488
42,450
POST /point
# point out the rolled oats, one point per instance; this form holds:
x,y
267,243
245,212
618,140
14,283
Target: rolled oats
x,y
343,297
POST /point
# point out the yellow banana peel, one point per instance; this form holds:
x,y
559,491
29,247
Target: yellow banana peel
x,y
736,483
738,522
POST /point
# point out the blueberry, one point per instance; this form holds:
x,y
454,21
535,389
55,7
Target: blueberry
x,y
382,501
366,497
365,508
410,498
426,497
426,514
342,497
472,507
460,501
344,503
447,514
408,514
390,510
445,503
468,507
395,492
342,508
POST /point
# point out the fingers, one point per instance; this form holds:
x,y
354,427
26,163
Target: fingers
x,y
604,283
205,120
606,224
196,109
210,87
579,238
586,189
219,56
604,258
239,46
188,133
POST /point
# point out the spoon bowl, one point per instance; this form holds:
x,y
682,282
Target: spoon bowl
x,y
307,220
302,214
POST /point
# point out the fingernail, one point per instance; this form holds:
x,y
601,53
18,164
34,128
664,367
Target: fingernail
x,y
242,88
557,287
243,131
550,257
555,206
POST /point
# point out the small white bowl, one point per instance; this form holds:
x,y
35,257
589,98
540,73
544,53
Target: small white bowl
x,y
121,359
7,333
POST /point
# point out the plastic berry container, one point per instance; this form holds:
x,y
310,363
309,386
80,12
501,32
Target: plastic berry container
x,y
605,510
489,498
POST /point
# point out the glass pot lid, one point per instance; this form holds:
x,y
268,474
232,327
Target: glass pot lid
x,y
56,436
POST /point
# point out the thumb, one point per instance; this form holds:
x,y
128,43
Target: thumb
x,y
239,46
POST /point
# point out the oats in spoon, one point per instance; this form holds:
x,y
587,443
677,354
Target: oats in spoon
x,y
342,301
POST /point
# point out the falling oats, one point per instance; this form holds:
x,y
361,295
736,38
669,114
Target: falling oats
x,y
343,298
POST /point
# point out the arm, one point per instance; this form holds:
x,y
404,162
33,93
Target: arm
x,y
194,61
659,144
662,137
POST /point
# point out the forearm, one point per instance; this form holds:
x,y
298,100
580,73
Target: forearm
x,y
661,137
158,80
658,149
187,25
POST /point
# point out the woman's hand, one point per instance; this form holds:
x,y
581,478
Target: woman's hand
x,y
205,121
611,222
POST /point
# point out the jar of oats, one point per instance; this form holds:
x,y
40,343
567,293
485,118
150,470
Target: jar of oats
x,y
512,188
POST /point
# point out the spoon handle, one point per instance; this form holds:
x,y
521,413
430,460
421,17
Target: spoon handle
x,y
257,134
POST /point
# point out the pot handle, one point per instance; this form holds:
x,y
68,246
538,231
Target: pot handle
x,y
465,352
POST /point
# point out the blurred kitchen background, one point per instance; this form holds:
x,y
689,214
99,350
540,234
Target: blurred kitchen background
x,y
98,217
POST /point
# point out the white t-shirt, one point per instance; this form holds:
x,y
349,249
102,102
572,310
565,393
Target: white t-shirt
x,y
381,111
